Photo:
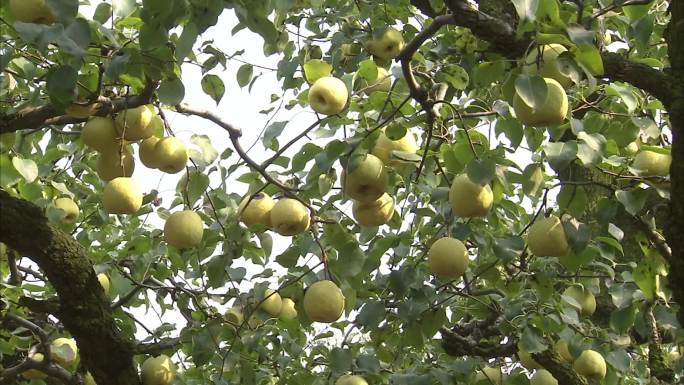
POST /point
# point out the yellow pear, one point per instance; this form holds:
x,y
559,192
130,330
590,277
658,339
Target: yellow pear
x,y
549,66
234,315
448,258
493,375
64,351
543,377
349,379
158,371
546,237
31,11
104,282
561,348
134,123
272,303
526,360
78,110
328,95
382,82
256,209
146,152
384,146
651,163
69,207
376,213
170,154
288,311
365,178
470,199
590,364
100,134
290,217
122,196
388,46
324,302
183,229
552,113
34,374
113,164
632,148
584,297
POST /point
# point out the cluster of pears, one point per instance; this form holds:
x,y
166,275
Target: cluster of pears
x,y
63,352
555,108
287,216
589,364
273,304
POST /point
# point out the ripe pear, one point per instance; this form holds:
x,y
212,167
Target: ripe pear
x,y
170,154
122,196
584,297
543,377
651,163
527,361
470,199
590,364
31,11
561,348
64,351
552,113
183,229
234,315
546,237
290,217
448,258
365,178
376,213
69,207
256,209
134,123
493,375
324,302
113,164
349,379
158,371
288,311
35,374
388,46
272,303
100,134
382,82
632,148
146,152
384,146
549,65
104,282
328,95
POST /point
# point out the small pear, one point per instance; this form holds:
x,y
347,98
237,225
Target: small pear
x,y
324,302
546,237
365,178
64,351
81,110
35,374
549,65
100,134
272,303
376,213
651,163
553,111
113,164
448,258
122,196
31,11
146,152
158,371
590,364
328,95
561,348
388,46
70,208
384,146
170,154
256,209
183,229
470,199
234,315
290,217
288,311
104,282
134,124
584,297
349,379
543,377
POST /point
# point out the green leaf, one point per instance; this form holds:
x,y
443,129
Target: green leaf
x,y
532,90
589,57
8,174
367,70
103,12
481,171
508,248
171,91
527,9
208,153
123,8
455,75
186,41
213,86
271,134
340,360
65,10
244,75
646,275
371,315
512,128
560,154
578,234
60,85
633,200
531,341
621,320
316,69
27,168
289,257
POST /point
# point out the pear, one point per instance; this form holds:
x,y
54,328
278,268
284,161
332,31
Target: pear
x,y
113,164
584,297
543,377
561,348
134,123
82,111
324,302
349,379
234,315
590,364
375,213
146,152
549,65
552,113
183,229
290,217
382,82
35,374
71,210
272,303
170,154
546,238
448,258
256,209
288,311
388,46
493,375
122,196
158,371
470,199
365,178
31,11
100,134
527,361
384,146
64,351
104,282
651,163
328,95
